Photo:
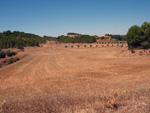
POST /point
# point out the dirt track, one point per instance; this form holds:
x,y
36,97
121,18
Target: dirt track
x,y
57,79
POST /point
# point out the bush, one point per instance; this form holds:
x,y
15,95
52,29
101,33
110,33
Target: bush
x,y
17,59
2,54
90,45
132,51
10,53
5,61
84,45
12,60
71,46
96,45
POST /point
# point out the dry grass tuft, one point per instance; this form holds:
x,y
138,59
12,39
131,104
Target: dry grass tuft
x,y
1,105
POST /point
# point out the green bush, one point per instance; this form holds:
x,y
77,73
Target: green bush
x,y
5,61
84,45
12,60
2,54
17,59
10,53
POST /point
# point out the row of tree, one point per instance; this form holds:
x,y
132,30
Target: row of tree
x,y
77,39
117,37
138,37
19,40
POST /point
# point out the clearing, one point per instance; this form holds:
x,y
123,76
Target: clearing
x,y
56,79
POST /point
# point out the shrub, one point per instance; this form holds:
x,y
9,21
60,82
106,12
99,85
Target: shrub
x,y
10,53
5,61
132,51
2,54
84,45
12,60
78,46
17,59
71,46
96,45
66,46
90,45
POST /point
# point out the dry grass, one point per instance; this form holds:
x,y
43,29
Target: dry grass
x,y
1,106
55,79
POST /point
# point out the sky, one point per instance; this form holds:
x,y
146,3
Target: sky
x,y
58,17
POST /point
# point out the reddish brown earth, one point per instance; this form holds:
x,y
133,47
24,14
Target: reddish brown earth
x,y
56,79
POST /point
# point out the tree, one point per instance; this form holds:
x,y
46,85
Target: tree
x,y
139,37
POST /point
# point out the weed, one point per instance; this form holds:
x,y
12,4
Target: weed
x,y
1,105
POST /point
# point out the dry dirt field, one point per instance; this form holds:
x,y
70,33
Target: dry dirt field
x,y
55,79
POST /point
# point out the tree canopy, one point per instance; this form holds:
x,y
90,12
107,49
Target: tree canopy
x,y
138,37
19,40
117,37
77,39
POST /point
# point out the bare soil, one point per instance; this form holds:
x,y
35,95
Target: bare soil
x,y
55,79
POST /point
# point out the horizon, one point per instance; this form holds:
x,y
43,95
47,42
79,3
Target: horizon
x,y
56,17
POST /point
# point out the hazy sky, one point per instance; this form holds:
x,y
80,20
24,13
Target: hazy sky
x,y
58,17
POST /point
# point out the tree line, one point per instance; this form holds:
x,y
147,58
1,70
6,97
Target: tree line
x,y
77,39
19,40
138,37
117,37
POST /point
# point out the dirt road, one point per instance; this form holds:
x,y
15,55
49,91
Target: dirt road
x,y
53,78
